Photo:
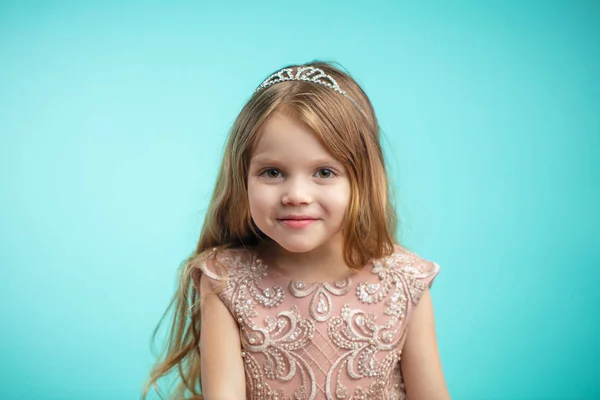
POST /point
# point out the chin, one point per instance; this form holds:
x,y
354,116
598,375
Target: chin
x,y
297,246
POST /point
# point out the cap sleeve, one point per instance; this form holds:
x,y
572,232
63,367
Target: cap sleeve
x,y
213,266
418,273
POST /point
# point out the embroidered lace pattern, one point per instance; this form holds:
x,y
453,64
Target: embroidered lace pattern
x,y
305,341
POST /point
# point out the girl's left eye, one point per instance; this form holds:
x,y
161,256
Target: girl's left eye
x,y
325,173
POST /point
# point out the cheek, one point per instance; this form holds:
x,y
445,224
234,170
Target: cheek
x,y
260,199
339,197
253,198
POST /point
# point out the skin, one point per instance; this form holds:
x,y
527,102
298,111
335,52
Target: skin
x,y
292,174
421,364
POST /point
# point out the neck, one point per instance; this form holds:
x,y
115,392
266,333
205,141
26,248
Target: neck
x,y
323,264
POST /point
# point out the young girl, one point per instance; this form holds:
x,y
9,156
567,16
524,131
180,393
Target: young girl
x,y
297,289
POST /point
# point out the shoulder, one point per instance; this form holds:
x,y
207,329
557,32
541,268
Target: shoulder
x,y
217,269
410,263
221,264
416,272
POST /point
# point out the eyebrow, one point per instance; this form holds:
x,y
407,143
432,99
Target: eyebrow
x,y
260,159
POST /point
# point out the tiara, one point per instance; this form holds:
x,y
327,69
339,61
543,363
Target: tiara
x,y
307,74
304,73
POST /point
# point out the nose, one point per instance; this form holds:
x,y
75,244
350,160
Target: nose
x,y
296,192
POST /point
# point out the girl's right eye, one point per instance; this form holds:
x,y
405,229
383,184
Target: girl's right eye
x,y
271,173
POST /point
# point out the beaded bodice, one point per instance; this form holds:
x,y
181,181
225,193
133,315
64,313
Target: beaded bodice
x,y
340,340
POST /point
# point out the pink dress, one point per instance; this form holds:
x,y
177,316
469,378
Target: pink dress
x,y
340,340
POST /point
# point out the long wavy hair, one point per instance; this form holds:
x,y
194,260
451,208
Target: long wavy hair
x,y
348,128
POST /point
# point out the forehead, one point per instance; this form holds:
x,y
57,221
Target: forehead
x,y
286,138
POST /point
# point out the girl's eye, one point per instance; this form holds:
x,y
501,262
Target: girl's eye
x,y
271,173
325,173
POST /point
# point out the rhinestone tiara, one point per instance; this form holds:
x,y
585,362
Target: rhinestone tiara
x,y
303,73
307,74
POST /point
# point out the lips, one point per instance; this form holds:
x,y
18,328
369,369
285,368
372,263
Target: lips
x,y
297,221
297,218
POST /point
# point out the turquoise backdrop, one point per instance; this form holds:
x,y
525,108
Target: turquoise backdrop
x,y
113,117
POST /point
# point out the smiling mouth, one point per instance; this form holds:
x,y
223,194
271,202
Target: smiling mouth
x,y
297,222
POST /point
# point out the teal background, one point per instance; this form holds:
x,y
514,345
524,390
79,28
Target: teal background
x,y
113,117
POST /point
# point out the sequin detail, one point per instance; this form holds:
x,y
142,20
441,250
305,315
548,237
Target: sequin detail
x,y
320,305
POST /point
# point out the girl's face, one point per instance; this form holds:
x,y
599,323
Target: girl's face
x,y
298,193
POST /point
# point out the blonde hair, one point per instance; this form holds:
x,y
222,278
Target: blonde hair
x,y
349,129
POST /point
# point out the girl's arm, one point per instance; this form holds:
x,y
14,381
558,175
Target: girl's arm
x,y
220,350
421,365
